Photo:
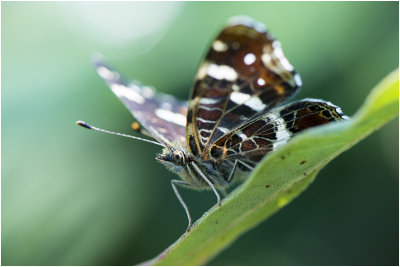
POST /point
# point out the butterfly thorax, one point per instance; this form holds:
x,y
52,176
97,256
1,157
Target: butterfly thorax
x,y
189,168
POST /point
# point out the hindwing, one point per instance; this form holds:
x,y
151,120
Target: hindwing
x,y
252,141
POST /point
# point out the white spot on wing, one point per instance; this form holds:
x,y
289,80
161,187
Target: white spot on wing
x,y
261,81
131,94
278,50
107,74
282,134
297,79
167,115
209,108
205,121
285,63
278,53
147,92
219,46
209,101
239,98
266,58
224,130
254,102
276,44
282,65
249,59
221,72
242,135
202,73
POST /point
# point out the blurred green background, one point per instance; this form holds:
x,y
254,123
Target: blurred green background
x,y
75,197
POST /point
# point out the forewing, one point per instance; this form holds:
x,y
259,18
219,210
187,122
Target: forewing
x,y
243,75
253,141
162,115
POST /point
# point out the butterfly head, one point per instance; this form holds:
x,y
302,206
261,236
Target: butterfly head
x,y
174,160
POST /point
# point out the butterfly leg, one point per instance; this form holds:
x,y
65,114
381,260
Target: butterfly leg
x,y
246,165
231,175
182,183
233,171
207,181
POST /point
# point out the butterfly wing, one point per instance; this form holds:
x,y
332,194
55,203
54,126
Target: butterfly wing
x,y
243,75
251,142
162,115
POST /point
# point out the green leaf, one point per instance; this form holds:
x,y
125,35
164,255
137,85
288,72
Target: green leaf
x,y
279,178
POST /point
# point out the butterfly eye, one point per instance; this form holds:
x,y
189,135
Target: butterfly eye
x,y
178,158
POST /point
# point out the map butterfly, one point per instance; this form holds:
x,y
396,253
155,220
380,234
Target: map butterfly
x,y
233,118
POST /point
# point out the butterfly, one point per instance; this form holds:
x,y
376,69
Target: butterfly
x,y
234,116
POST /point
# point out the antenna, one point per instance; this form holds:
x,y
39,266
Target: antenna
x,y
88,126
